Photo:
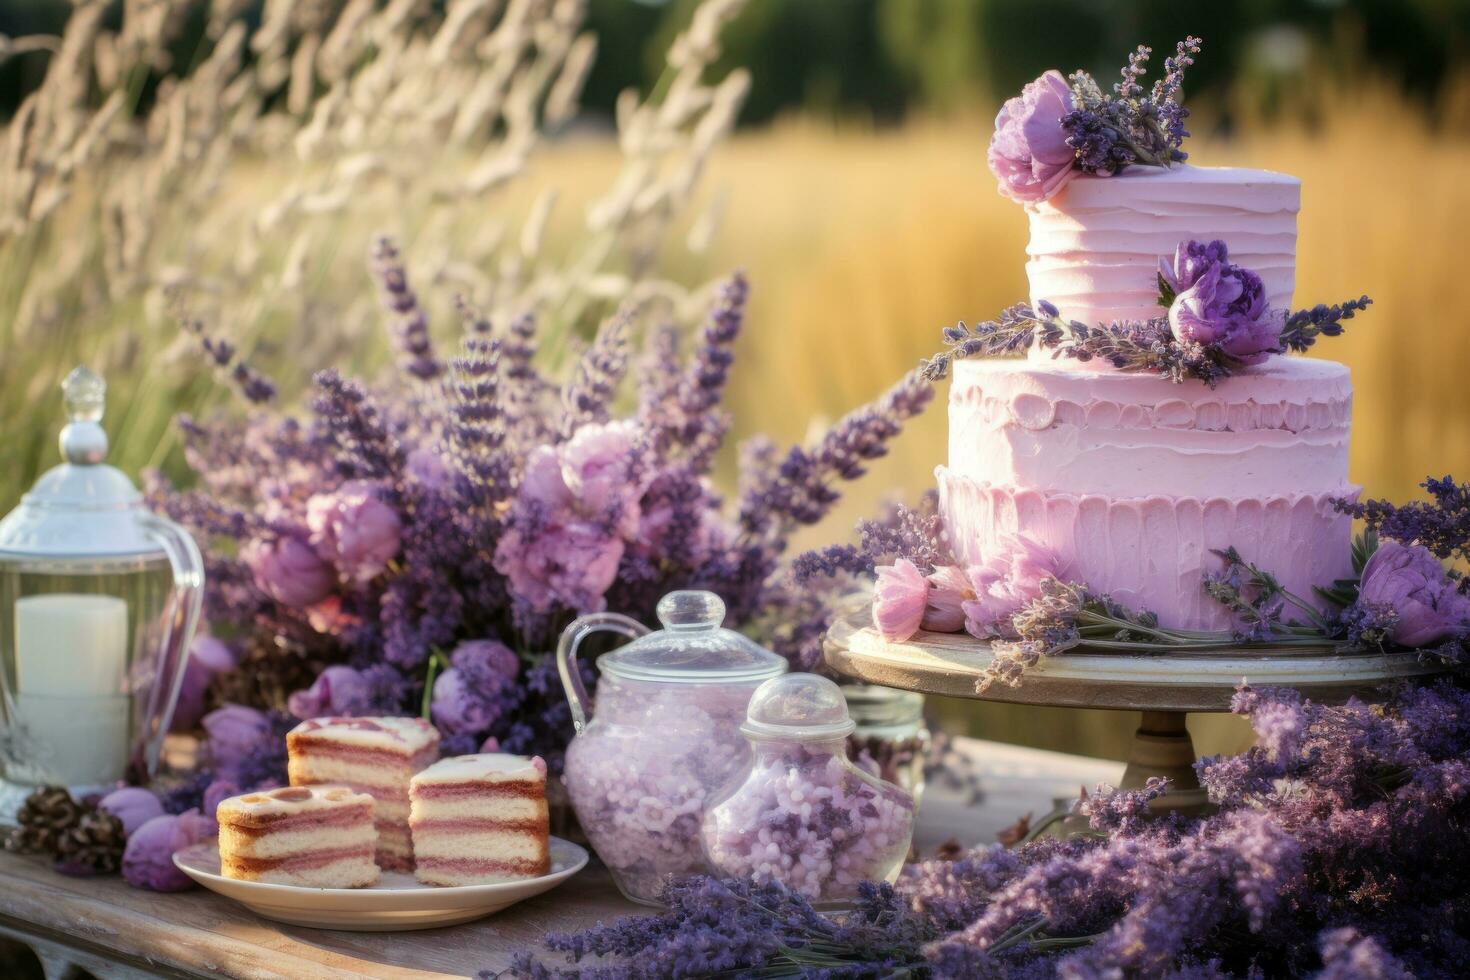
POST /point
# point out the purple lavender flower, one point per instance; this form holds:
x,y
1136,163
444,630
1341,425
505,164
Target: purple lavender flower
x,y
353,528
1410,580
1028,152
410,325
148,858
289,570
1216,303
1441,524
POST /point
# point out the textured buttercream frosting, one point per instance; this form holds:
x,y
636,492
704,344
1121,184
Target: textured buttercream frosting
x,y
1095,247
1133,480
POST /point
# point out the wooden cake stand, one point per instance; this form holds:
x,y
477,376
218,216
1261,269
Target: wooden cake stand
x,y
1165,687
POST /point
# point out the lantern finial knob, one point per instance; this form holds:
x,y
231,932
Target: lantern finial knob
x,y
83,440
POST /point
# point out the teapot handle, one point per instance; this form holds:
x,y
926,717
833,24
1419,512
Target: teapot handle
x,y
566,655
180,618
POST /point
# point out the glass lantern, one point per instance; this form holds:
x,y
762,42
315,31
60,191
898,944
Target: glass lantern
x,y
99,598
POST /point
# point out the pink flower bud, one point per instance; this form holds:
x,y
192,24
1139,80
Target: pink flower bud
x,y
899,600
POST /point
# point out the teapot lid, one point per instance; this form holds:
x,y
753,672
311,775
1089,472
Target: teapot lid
x,y
82,508
798,706
692,647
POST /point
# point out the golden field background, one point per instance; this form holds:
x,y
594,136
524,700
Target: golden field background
x,y
861,245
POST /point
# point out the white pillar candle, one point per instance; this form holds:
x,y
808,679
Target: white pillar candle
x,y
72,703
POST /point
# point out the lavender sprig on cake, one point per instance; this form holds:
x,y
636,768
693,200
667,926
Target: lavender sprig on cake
x,y
1217,321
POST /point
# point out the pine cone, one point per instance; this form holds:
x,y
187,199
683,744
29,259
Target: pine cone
x,y
46,814
93,847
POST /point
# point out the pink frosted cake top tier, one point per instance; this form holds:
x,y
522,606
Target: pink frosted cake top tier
x,y
1095,247
404,735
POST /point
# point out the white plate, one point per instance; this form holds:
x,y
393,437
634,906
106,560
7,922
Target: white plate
x,y
396,903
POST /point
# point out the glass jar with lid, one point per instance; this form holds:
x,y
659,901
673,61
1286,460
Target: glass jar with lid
x,y
891,739
804,815
663,738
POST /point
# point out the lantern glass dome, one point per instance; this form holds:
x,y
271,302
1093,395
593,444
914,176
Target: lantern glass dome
x,y
99,598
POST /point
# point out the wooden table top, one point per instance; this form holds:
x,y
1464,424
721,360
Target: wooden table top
x,y
197,933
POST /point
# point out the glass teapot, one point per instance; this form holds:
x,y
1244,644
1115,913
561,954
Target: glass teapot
x,y
98,602
664,737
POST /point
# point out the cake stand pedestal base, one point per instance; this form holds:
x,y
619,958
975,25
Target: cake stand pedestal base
x,y
1162,747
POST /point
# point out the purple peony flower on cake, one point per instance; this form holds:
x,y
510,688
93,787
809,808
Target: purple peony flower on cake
x,y
1028,153
949,590
1413,582
1213,302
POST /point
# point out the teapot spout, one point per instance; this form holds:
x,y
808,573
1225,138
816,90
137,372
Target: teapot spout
x,y
566,657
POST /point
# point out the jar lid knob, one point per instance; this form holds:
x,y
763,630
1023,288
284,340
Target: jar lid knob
x,y
83,440
691,609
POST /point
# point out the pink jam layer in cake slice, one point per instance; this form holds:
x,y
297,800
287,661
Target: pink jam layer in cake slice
x,y
478,819
312,836
376,756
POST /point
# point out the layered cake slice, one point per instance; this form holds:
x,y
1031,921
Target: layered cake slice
x,y
314,836
376,756
478,819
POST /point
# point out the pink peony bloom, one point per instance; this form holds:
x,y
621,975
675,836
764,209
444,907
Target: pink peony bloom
x,y
354,529
1005,582
1029,154
596,465
899,600
336,691
573,564
289,570
232,733
207,657
1411,580
148,858
949,589
133,806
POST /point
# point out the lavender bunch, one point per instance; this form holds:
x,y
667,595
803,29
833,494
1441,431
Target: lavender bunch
x,y
744,928
359,552
1340,848
1132,125
1441,524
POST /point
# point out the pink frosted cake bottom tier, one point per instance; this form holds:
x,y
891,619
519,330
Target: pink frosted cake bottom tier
x,y
1154,552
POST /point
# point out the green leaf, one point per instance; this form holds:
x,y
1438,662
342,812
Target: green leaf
x,y
1363,547
1166,292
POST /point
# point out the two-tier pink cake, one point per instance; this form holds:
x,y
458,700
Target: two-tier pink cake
x,y
1131,478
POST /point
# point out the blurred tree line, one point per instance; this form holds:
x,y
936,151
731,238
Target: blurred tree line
x,y
882,59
